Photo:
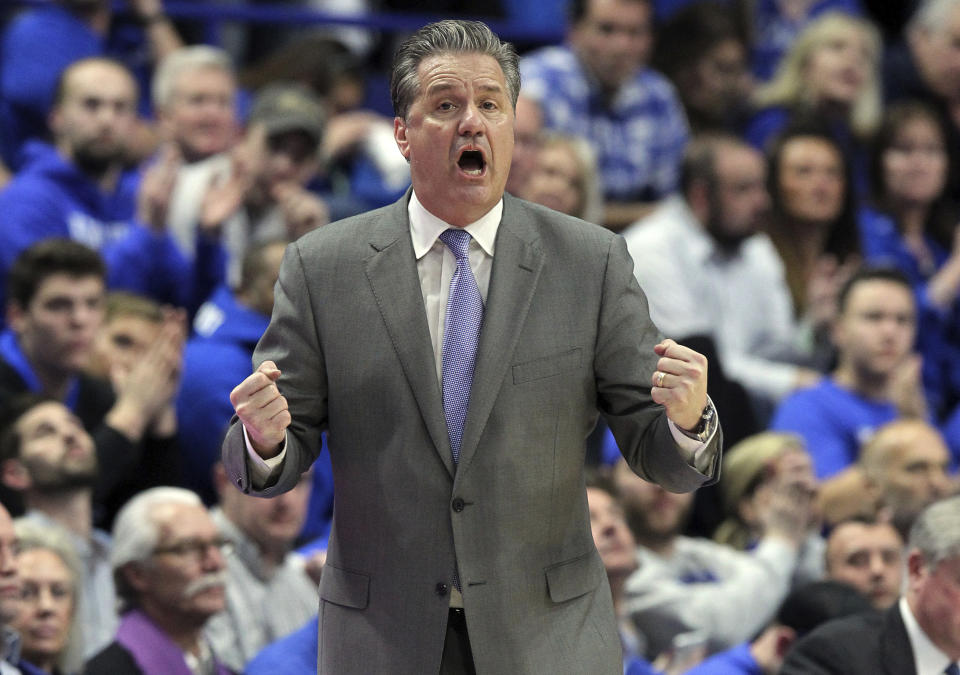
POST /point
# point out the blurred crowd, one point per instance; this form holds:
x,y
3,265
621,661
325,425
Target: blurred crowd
x,y
786,174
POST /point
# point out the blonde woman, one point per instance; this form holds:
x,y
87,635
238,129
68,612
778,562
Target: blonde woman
x,y
50,635
831,74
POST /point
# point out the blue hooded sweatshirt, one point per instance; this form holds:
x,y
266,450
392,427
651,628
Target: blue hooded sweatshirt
x,y
51,197
215,361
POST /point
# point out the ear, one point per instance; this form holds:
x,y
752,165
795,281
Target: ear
x,y
400,136
14,475
837,334
916,566
698,198
15,316
136,576
55,121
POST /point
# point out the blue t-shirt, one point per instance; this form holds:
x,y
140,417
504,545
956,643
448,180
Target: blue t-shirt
x,y
937,330
834,422
734,661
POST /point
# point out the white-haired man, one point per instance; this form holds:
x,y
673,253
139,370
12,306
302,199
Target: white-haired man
x,y
193,94
168,564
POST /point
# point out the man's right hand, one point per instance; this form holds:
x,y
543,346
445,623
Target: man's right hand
x,y
262,409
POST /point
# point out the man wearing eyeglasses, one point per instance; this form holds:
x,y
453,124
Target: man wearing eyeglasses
x,y
169,564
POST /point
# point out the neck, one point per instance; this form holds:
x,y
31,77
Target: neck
x,y
106,179
271,558
808,240
912,218
47,664
54,381
662,546
183,631
72,509
868,385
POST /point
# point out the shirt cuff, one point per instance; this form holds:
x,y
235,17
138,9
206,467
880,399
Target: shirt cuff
x,y
698,454
262,471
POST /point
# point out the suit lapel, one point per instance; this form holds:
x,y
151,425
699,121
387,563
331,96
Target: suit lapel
x,y
392,274
516,267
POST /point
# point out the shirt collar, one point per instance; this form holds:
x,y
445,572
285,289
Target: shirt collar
x,y
426,227
927,656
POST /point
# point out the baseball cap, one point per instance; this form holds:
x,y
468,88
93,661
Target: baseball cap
x,y
288,107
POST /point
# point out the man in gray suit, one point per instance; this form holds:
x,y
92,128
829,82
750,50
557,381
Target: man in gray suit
x,y
457,378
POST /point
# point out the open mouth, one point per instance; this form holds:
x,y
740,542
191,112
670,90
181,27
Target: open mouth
x,y
471,162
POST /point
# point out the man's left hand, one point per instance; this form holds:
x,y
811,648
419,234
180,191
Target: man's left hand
x,y
680,383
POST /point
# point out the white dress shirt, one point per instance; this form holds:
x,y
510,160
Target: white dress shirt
x,y
927,657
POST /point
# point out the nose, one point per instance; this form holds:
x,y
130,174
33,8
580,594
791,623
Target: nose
x,y
876,565
45,601
212,560
8,559
471,123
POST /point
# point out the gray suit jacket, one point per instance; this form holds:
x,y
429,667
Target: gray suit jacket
x,y
566,332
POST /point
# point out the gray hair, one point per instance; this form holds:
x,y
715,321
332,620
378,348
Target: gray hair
x,y
136,533
936,532
450,35
182,60
51,537
932,15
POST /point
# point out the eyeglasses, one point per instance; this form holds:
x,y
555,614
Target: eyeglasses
x,y
195,548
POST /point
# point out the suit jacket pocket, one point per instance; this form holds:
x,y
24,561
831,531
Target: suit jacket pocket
x,y
547,366
573,578
343,587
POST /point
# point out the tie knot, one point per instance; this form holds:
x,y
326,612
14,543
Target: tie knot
x,y
457,240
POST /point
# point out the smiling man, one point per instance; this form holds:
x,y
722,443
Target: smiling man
x,y
457,347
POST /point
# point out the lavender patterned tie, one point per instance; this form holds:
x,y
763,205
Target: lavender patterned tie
x,y
461,333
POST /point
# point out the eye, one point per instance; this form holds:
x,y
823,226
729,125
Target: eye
x,y
446,105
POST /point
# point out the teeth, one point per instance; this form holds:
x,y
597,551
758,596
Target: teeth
x,y
473,172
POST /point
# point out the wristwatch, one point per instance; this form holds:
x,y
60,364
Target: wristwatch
x,y
705,426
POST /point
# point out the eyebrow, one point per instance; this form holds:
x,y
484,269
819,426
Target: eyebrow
x,y
441,87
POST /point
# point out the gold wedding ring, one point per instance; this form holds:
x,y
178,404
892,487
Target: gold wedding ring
x,y
660,379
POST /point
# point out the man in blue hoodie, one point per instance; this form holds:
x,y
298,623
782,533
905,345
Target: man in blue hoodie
x,y
226,329
78,187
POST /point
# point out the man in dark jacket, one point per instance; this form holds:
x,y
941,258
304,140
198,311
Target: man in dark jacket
x,y
920,634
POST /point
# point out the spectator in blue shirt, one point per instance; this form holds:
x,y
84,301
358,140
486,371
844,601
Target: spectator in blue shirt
x,y
877,378
598,86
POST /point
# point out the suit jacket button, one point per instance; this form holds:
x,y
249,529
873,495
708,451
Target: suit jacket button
x,y
441,589
458,505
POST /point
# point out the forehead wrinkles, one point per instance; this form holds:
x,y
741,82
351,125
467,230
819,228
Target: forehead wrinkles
x,y
450,71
